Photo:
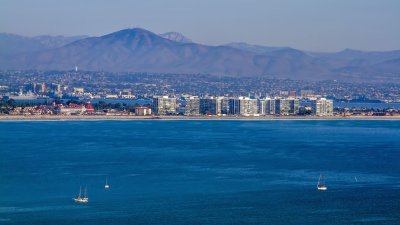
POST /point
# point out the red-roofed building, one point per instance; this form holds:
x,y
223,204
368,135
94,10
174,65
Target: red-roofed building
x,y
89,108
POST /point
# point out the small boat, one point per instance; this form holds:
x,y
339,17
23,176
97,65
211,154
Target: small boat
x,y
81,199
321,184
106,186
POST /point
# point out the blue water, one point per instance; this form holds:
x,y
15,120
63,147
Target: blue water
x,y
200,172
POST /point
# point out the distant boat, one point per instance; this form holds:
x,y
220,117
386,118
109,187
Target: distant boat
x,y
355,178
106,186
81,199
321,184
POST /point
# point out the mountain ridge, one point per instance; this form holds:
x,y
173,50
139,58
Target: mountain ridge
x,y
139,50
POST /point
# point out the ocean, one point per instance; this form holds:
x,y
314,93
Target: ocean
x,y
200,172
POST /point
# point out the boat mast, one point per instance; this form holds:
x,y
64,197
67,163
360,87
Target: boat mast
x,y
85,192
319,180
80,191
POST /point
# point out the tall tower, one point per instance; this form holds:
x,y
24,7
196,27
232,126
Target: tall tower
x,y
76,68
43,88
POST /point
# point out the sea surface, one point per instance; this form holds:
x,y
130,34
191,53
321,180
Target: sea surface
x,y
200,172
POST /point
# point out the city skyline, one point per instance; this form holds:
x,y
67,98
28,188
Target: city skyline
x,y
307,25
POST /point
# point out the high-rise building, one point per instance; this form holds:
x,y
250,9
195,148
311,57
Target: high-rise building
x,y
322,107
294,106
248,106
43,88
233,106
192,107
286,107
34,88
267,106
223,104
208,106
59,88
164,105
270,106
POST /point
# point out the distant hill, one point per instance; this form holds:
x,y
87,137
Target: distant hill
x,y
139,50
259,49
12,43
175,36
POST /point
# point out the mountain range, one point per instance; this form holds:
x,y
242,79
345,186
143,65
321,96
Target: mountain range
x,y
139,50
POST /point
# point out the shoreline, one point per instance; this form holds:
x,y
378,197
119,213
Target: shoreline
x,y
243,118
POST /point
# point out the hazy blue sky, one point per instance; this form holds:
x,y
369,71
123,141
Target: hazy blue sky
x,y
320,25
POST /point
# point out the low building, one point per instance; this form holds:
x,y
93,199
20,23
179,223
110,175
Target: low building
x,y
89,108
142,111
72,109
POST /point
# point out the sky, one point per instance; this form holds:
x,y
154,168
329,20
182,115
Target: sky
x,y
314,25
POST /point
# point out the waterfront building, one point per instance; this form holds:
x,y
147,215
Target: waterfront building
x,y
233,106
71,109
142,111
267,106
89,108
270,106
322,107
192,107
248,106
286,107
208,106
223,106
164,105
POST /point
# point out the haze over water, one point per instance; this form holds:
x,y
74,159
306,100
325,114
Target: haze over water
x,y
200,172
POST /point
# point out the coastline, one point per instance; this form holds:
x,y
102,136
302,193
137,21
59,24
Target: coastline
x,y
244,118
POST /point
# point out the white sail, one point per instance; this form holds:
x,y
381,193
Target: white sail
x,y
321,184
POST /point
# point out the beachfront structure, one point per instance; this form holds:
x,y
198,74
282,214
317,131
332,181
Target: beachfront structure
x,y
142,111
71,109
208,106
248,106
192,107
266,106
286,106
322,107
233,106
164,105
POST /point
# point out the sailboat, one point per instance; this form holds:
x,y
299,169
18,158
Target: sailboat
x,y
106,186
81,199
321,184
